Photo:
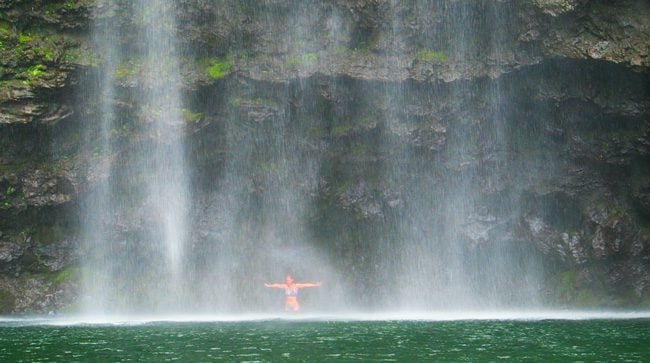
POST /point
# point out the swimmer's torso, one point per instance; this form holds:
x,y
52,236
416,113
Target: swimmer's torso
x,y
291,291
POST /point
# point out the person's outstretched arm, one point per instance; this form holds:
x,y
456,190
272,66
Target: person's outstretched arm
x,y
277,286
308,284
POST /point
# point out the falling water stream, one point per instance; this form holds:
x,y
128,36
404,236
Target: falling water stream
x,y
443,239
147,270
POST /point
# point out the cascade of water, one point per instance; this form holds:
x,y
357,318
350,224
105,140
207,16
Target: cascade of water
x,y
99,207
163,157
146,185
449,248
444,244
255,215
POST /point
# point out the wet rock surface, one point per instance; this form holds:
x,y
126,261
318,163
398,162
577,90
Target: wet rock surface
x,y
575,75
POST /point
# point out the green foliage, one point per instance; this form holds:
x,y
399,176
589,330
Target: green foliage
x,y
306,58
10,198
119,131
32,74
566,286
46,53
341,130
67,274
18,51
35,71
97,153
340,50
218,68
54,8
239,101
190,116
587,298
128,69
341,188
428,55
270,167
24,38
572,290
50,9
310,57
78,55
293,62
360,151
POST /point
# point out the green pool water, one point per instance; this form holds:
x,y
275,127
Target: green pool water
x,y
277,340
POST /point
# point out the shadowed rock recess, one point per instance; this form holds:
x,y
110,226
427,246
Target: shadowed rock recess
x,y
436,154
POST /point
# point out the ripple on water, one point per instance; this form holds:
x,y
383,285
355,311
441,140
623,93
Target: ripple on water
x,y
584,340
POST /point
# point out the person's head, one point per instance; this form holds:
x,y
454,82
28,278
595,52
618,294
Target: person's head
x,y
288,279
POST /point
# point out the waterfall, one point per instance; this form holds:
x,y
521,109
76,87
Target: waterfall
x,y
135,226
254,218
449,246
407,207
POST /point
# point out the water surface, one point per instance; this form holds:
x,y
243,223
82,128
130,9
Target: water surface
x,y
619,339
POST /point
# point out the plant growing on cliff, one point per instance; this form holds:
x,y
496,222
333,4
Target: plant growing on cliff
x,y
310,57
4,32
218,67
46,53
128,69
304,59
4,29
190,116
341,130
32,74
24,38
429,55
66,274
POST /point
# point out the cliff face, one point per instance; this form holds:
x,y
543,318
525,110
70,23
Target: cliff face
x,y
541,107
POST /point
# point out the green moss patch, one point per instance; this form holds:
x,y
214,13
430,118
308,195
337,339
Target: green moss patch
x,y
67,274
24,38
310,57
4,29
128,69
218,68
81,56
429,55
190,116
303,59
341,130
239,101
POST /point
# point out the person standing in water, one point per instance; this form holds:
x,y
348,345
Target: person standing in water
x,y
291,291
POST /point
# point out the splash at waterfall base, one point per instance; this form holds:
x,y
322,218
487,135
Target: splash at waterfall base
x,y
417,156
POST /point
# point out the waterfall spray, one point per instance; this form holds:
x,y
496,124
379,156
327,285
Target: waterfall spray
x,y
145,185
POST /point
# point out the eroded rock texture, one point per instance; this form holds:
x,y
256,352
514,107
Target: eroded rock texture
x,y
540,108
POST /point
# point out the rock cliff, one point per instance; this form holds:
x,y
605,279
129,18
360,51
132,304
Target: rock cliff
x,y
370,88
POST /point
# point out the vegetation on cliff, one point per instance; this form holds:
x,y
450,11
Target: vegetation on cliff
x,y
575,75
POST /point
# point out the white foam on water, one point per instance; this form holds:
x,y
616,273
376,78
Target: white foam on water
x,y
430,316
